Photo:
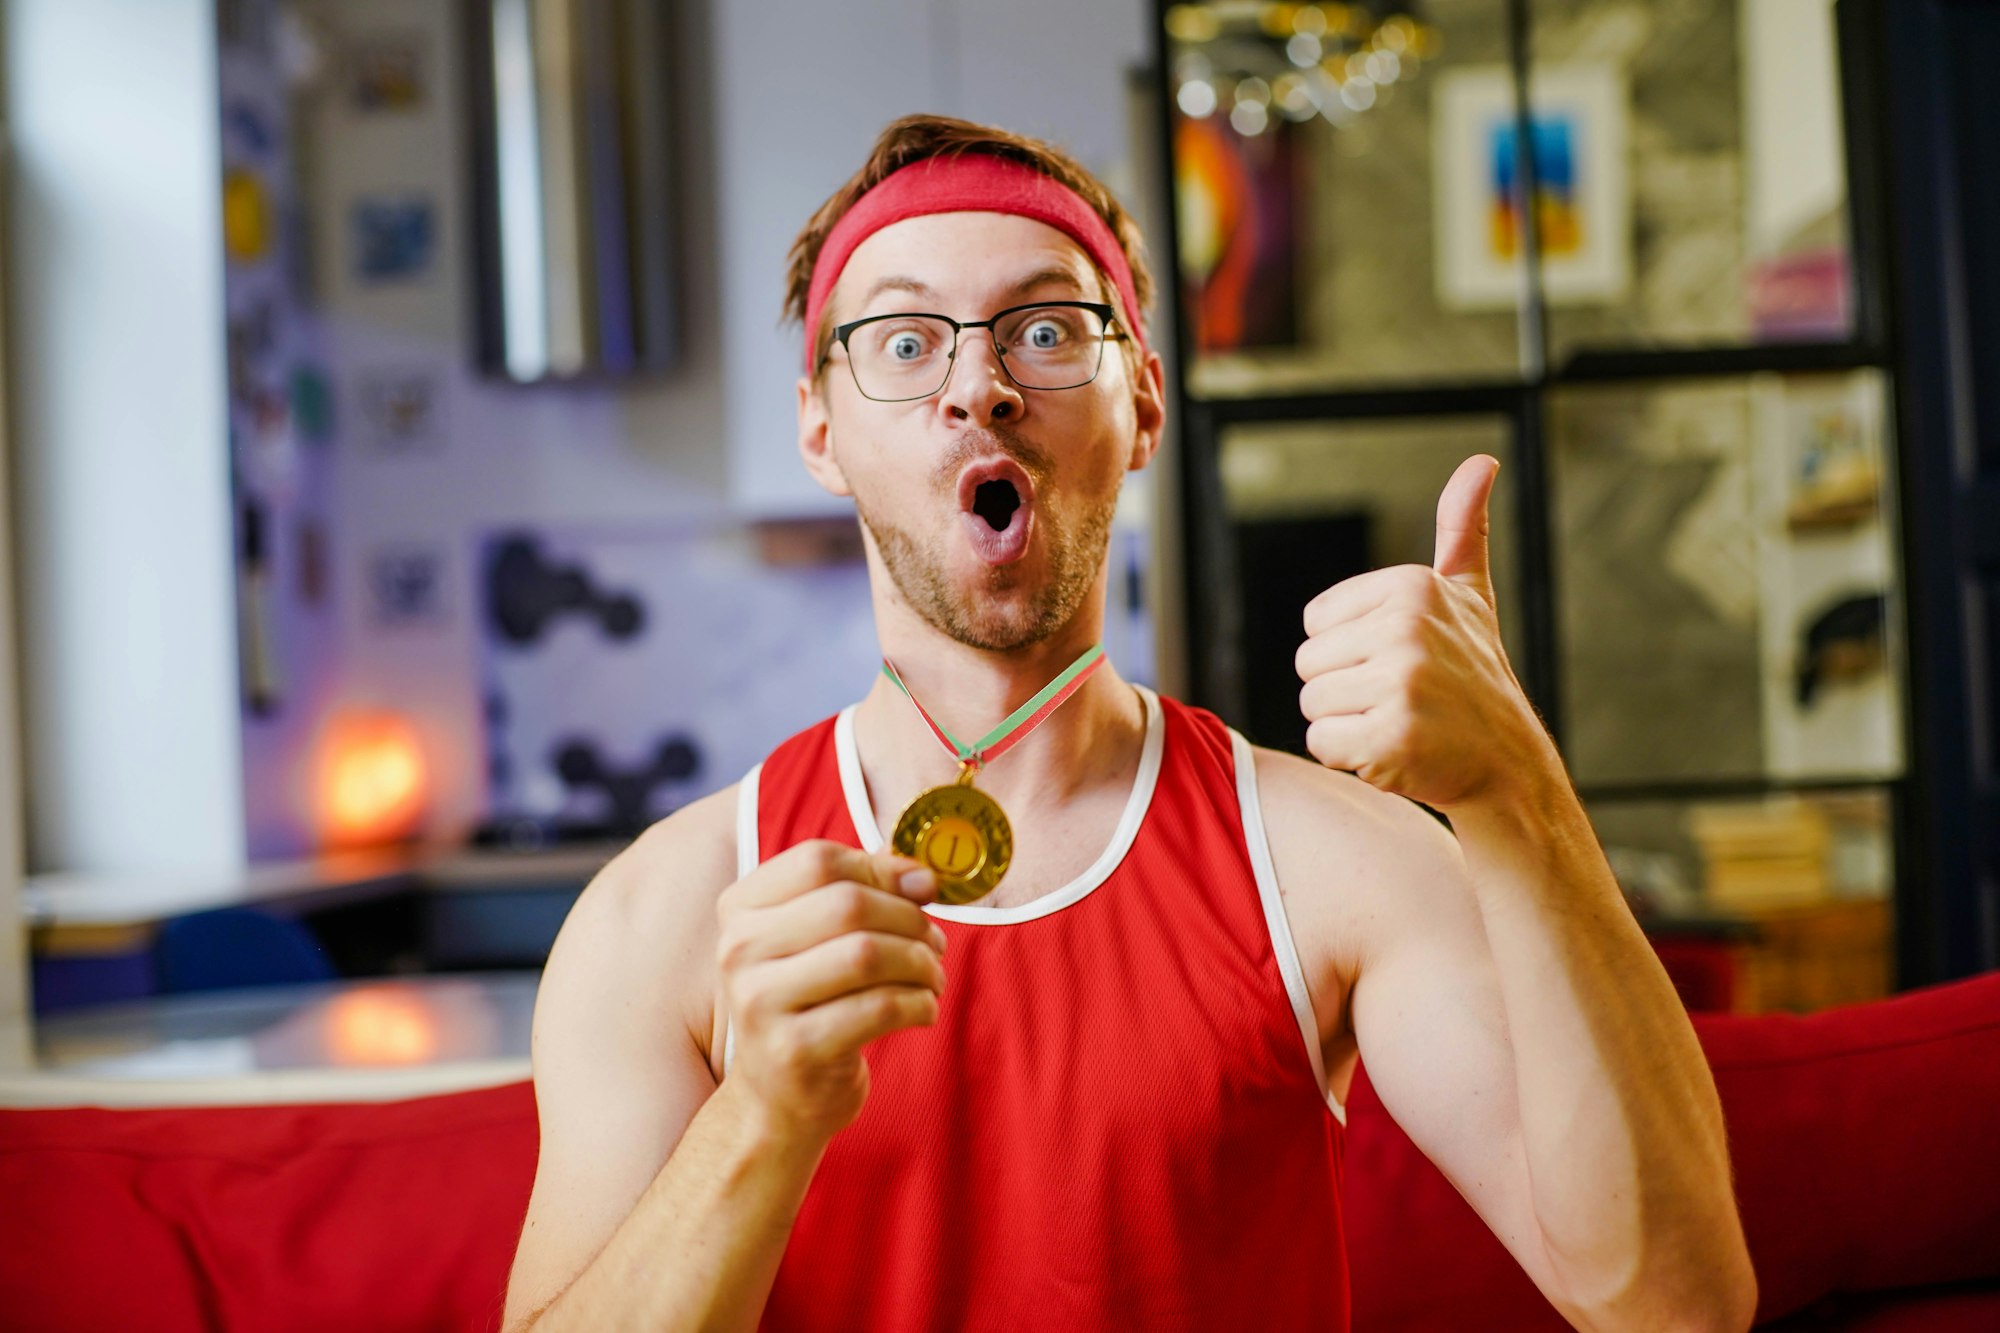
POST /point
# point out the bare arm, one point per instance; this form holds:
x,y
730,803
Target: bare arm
x,y
1526,1058
1500,974
661,1199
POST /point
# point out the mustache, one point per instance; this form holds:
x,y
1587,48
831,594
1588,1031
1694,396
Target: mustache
x,y
984,442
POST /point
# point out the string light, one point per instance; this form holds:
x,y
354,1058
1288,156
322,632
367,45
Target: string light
x,y
1260,57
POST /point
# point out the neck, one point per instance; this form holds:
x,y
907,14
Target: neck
x,y
1092,739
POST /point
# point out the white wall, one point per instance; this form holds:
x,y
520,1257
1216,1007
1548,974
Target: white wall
x,y
114,284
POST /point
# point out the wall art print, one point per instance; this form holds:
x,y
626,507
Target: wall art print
x,y
1239,202
1583,203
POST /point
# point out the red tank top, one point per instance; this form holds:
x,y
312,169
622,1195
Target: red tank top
x,y
1119,1120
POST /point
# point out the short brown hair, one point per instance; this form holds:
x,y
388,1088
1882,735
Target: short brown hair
x,y
914,138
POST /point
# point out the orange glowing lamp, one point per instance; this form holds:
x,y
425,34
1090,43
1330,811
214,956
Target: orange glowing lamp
x,y
372,783
379,1026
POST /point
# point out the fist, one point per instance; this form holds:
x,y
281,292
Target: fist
x,y
821,950
1407,685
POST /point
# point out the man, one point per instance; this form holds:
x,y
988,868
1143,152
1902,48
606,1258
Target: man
x,y
780,1083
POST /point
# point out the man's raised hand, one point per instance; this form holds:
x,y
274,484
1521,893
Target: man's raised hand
x,y
1406,682
821,950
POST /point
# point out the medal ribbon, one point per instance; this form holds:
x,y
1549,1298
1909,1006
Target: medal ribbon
x,y
1019,722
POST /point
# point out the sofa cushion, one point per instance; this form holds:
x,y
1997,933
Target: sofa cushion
x,y
1965,1309
1862,1140
383,1216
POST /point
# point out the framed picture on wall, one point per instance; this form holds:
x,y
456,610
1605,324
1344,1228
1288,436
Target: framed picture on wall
x,y
1240,222
1583,197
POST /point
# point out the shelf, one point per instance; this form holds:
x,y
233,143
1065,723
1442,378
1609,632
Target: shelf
x,y
1456,399
1471,397
1699,789
1591,366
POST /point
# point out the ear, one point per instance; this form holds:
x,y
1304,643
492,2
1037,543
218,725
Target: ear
x,y
1149,411
816,439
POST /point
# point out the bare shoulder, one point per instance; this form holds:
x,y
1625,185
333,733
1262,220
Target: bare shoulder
x,y
1327,819
1354,864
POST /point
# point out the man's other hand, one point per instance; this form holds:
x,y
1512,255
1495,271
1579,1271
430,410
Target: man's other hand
x,y
822,949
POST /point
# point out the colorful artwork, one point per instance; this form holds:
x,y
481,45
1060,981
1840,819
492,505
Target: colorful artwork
x,y
401,411
1806,295
310,561
387,72
249,224
1556,206
406,586
245,24
249,128
394,238
312,404
1239,220
1582,204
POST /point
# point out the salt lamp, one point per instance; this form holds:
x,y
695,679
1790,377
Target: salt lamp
x,y
371,780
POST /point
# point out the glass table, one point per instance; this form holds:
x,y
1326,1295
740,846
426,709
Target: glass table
x,y
357,1038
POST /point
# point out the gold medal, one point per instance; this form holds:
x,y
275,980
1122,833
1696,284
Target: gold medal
x,y
962,834
959,831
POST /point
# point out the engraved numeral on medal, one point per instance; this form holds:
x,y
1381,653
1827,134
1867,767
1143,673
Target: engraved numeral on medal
x,y
953,846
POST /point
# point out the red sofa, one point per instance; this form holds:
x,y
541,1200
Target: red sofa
x,y
1866,1142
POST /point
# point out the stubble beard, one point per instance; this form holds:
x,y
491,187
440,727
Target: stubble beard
x,y
979,617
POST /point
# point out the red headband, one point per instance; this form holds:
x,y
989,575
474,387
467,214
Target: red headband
x,y
969,183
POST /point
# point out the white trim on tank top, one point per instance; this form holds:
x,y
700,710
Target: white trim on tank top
x,y
747,849
1280,926
863,812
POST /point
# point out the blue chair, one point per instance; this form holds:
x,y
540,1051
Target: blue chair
x,y
231,947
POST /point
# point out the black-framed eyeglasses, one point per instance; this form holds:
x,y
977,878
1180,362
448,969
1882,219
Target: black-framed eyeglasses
x,y
1048,345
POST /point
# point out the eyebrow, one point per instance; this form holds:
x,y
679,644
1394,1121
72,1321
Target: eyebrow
x,y
896,284
1043,277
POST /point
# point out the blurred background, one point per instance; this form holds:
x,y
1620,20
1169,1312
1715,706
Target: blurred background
x,y
404,509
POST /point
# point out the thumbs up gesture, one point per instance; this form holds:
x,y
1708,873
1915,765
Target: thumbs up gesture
x,y
1407,685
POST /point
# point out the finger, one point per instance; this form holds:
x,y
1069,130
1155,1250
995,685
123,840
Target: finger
x,y
908,878
852,962
800,869
1339,742
836,909
1350,599
841,1026
1462,525
1338,693
1331,650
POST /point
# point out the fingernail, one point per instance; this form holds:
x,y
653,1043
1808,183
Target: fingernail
x,y
937,939
917,881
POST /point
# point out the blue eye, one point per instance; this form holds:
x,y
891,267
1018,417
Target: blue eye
x,y
1044,335
906,347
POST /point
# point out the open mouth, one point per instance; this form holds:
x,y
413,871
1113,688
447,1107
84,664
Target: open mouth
x,y
996,502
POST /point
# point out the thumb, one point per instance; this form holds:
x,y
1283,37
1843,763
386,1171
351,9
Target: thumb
x,y
1462,524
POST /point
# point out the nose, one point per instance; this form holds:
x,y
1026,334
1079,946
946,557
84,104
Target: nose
x,y
979,389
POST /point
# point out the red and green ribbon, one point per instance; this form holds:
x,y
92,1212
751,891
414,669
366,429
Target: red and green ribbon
x,y
1019,722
